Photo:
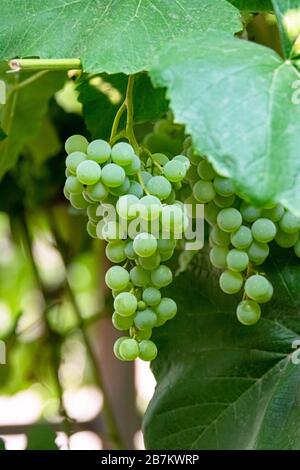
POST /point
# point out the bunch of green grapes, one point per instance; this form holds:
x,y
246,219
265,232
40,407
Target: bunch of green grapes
x,y
240,235
143,192
166,137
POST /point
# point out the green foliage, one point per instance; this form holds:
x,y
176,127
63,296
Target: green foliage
x,y
252,5
288,14
231,102
109,36
234,385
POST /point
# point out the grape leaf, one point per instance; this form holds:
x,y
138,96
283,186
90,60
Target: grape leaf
x,y
23,115
108,36
231,95
288,15
252,5
221,385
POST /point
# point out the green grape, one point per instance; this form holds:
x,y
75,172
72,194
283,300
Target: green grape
x,y
87,197
78,201
99,150
88,172
192,175
166,309
145,244
129,349
203,191
141,305
150,263
125,304
274,213
66,193
127,206
128,288
151,296
165,245
149,208
91,229
143,334
248,312
148,350
175,170
184,160
166,255
219,237
229,219
289,223
136,189
258,288
161,276
258,252
97,192
92,213
162,126
172,219
129,251
194,157
110,231
145,319
117,347
237,260
122,154
122,189
263,230
284,239
206,171
224,201
218,255
122,323
73,160
115,251
223,186
67,173
250,213
146,176
160,158
73,186
139,276
171,199
159,186
117,278
76,143
113,175
134,166
297,248
231,282
242,238
211,213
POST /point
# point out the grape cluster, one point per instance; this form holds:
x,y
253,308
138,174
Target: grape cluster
x,y
166,137
240,235
144,192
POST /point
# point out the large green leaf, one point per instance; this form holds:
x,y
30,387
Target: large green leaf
x,y
252,5
288,15
236,99
2,134
221,385
23,115
111,36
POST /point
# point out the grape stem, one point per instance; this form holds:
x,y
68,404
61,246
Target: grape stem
x,y
44,64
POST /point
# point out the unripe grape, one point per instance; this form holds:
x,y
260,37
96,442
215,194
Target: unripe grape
x,y
203,191
136,189
122,323
289,223
263,230
144,244
237,260
125,304
127,206
149,207
151,296
78,201
129,349
229,219
91,229
151,262
211,213
174,170
286,240
88,172
141,305
73,186
248,312
258,288
110,231
139,276
117,347
117,278
92,213
145,319
166,309
218,256
148,350
258,252
231,282
206,171
76,143
165,245
129,251
133,167
184,160
99,151
115,251
113,175
159,186
122,189
274,214
219,237
73,160
161,276
250,213
122,154
242,238
223,186
97,192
